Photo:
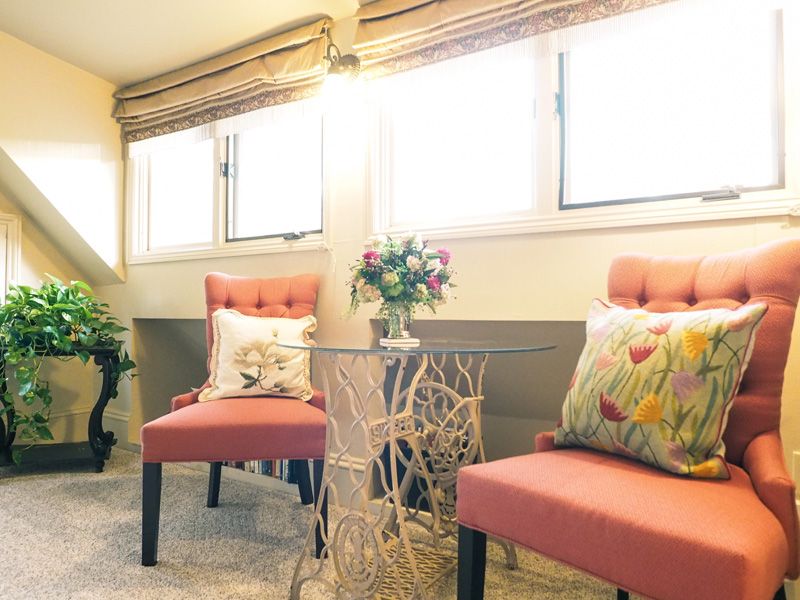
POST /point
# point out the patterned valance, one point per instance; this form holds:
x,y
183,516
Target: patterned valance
x,y
395,35
279,69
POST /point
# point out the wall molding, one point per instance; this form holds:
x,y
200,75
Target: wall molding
x,y
117,421
13,225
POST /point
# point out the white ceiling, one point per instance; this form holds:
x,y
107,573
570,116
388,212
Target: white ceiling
x,y
128,41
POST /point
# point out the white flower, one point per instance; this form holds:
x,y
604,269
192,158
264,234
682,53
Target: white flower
x,y
369,293
359,283
444,294
413,263
376,241
413,239
436,265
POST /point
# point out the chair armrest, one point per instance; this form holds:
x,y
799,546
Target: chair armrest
x,y
545,442
318,399
763,461
188,398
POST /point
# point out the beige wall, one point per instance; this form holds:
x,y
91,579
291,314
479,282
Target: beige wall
x,y
72,384
55,125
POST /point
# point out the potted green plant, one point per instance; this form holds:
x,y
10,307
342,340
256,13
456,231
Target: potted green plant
x,y
53,320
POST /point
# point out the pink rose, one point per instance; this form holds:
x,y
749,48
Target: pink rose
x,y
444,255
371,258
433,283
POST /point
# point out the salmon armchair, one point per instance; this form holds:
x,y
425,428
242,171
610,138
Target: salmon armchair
x,y
643,530
239,429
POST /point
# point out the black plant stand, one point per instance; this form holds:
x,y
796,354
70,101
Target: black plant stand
x,y
98,446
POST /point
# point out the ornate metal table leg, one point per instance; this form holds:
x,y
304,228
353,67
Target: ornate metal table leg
x,y
368,551
447,409
101,441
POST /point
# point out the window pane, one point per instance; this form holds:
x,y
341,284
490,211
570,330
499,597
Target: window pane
x,y
182,195
678,106
277,183
457,138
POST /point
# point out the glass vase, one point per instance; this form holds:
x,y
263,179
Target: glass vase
x,y
396,320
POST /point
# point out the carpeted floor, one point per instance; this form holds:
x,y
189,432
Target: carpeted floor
x,y
76,534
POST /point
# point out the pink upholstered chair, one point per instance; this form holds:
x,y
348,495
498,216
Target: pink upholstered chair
x,y
656,534
238,429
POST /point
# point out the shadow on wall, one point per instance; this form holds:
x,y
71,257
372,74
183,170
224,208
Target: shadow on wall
x,y
171,360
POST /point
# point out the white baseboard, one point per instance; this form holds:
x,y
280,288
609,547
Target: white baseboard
x,y
117,421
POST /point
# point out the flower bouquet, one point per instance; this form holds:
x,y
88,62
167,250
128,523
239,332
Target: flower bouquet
x,y
402,273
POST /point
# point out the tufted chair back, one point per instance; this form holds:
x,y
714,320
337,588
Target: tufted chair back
x,y
285,297
768,274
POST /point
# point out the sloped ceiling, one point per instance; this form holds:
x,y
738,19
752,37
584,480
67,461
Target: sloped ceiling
x,y
124,42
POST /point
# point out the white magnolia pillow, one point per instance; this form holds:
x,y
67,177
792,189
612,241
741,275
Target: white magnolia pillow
x,y
246,361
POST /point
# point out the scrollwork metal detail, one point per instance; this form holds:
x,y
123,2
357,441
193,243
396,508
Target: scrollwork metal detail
x,y
357,555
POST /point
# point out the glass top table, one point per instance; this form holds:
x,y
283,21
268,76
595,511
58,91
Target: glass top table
x,y
427,346
400,424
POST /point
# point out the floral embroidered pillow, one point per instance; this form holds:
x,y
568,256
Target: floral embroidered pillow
x,y
658,387
245,360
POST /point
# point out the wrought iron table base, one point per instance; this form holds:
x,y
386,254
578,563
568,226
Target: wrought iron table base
x,y
369,552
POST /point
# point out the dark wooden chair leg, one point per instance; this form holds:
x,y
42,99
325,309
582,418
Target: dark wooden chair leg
x,y
303,481
622,594
151,509
471,563
214,476
319,465
780,594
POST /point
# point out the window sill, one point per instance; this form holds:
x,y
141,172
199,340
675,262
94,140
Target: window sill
x,y
618,216
230,249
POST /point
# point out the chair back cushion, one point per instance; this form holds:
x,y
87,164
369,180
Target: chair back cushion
x,y
658,387
286,297
768,274
246,359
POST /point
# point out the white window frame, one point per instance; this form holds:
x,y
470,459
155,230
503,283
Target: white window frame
x,y
137,218
11,226
550,218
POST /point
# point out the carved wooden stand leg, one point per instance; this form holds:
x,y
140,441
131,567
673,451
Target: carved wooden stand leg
x,y
7,428
99,440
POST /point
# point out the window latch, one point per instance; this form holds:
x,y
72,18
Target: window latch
x,y
227,169
730,192
294,235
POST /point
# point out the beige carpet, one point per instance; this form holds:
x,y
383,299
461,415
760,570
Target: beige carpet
x,y
76,534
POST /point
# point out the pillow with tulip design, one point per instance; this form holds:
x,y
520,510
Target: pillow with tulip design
x,y
658,387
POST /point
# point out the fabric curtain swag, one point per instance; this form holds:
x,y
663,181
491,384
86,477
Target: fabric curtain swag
x,y
286,67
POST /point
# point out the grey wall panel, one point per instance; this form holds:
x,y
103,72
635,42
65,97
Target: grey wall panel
x,y
524,392
171,359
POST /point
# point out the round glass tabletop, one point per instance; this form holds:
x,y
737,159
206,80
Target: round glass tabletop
x,y
426,346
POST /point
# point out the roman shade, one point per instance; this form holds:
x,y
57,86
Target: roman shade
x,y
395,35
279,69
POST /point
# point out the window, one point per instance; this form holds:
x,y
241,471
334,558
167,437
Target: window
x,y
246,184
676,105
275,181
456,139
181,191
